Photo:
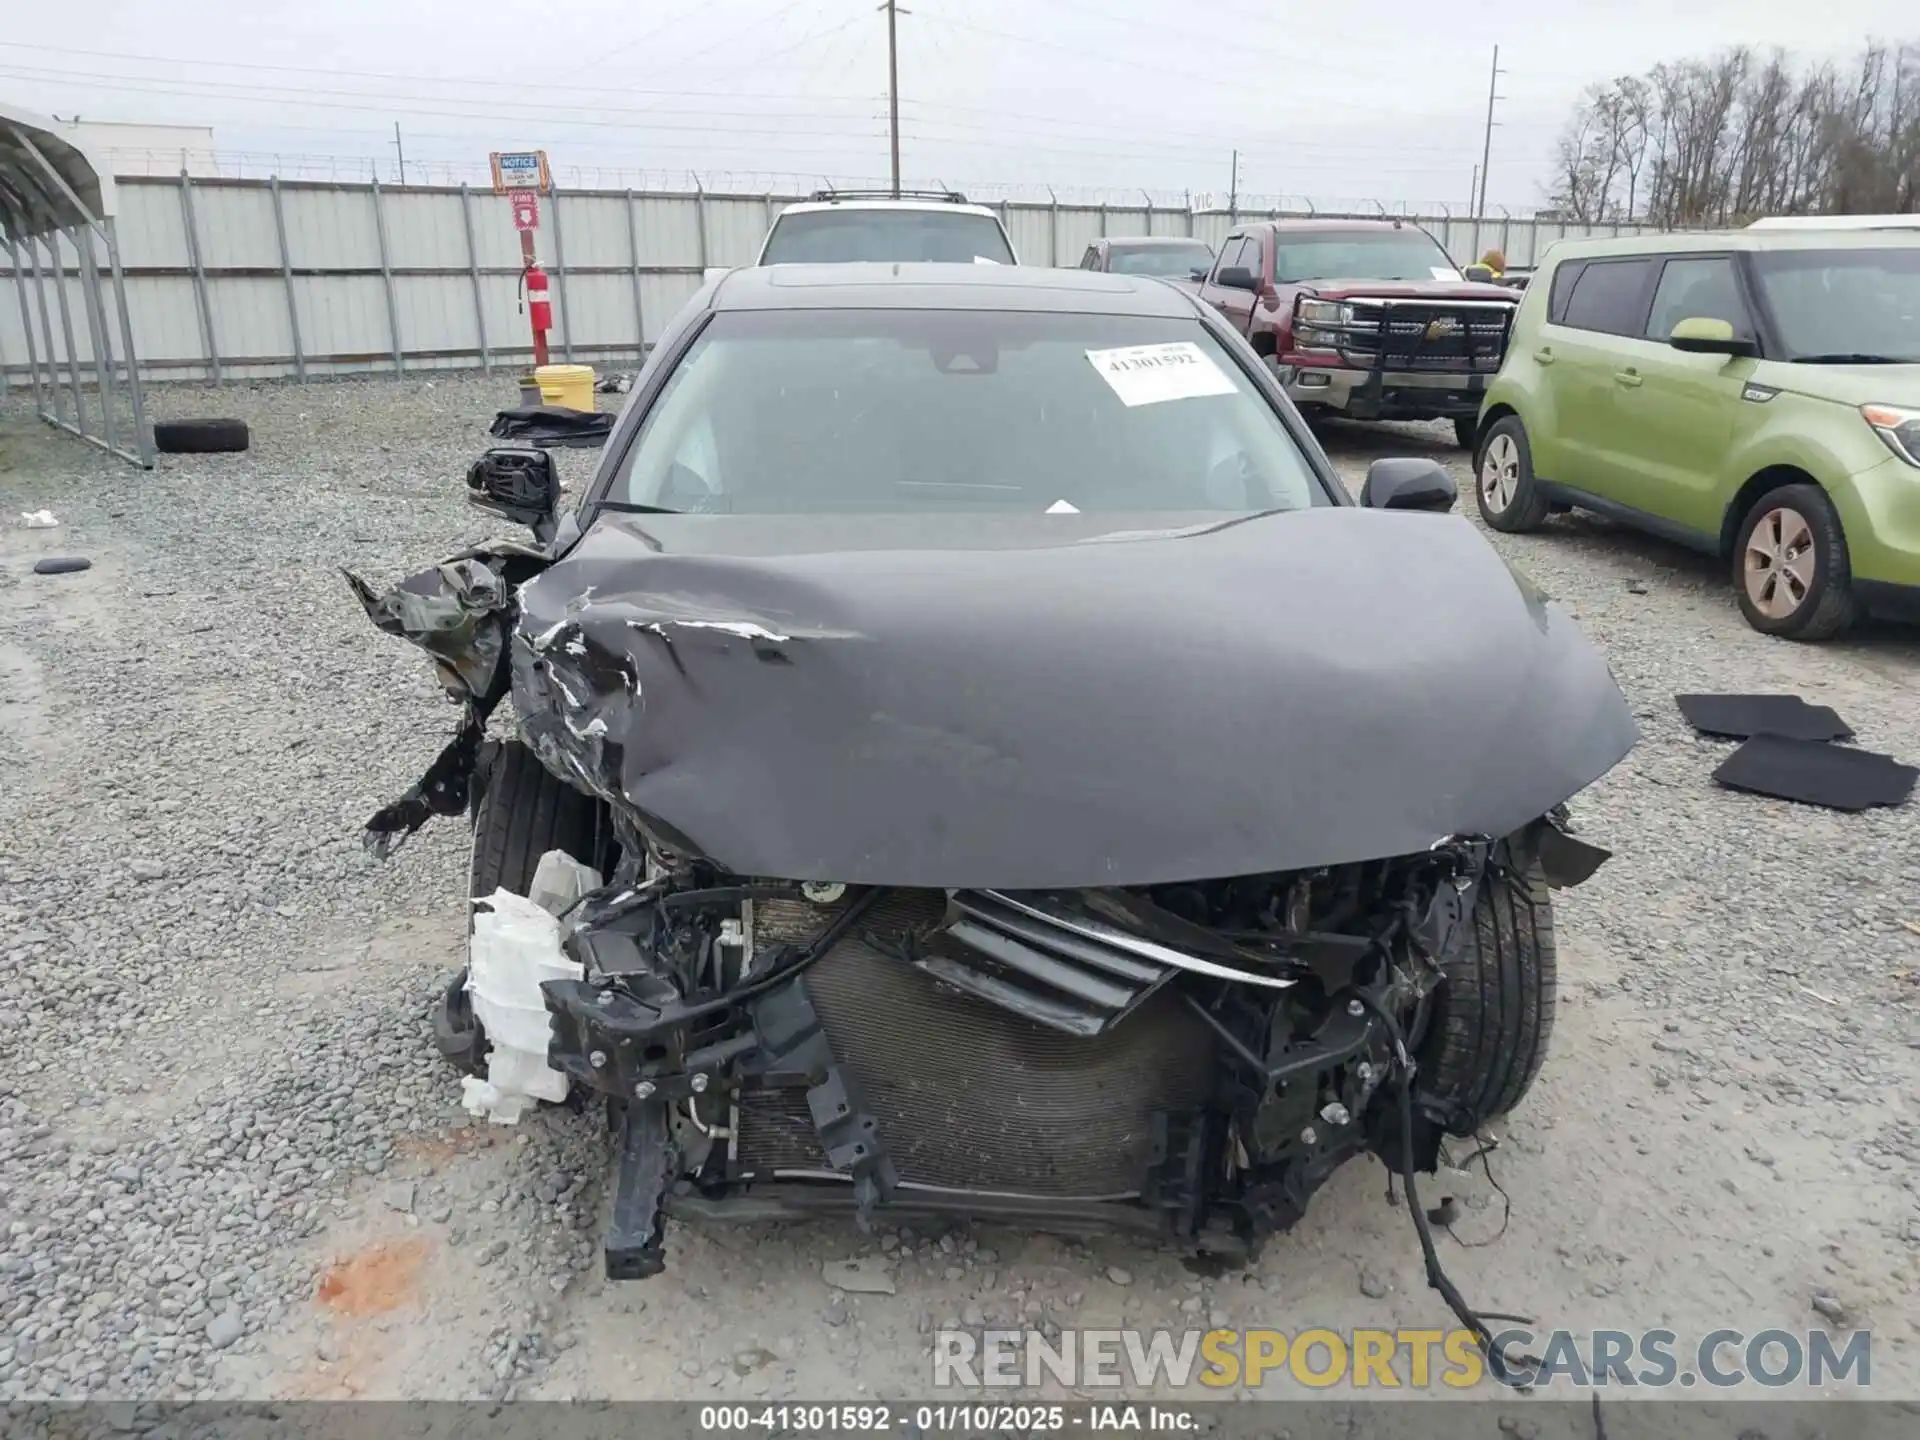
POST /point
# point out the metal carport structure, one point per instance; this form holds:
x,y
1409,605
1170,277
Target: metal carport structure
x,y
56,206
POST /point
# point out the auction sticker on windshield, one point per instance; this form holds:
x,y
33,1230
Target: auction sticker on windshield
x,y
1148,374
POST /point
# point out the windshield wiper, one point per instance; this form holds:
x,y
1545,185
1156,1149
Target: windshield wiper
x,y
1855,357
628,507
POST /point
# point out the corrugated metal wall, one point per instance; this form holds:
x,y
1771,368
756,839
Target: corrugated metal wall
x,y
267,278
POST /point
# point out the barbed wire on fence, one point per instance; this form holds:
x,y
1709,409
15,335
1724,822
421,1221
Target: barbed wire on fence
x,y
361,169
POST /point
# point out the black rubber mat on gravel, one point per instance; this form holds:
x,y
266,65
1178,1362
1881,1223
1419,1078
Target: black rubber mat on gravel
x,y
1738,716
1815,773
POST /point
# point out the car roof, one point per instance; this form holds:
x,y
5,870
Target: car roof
x,y
1148,242
1720,241
876,285
933,207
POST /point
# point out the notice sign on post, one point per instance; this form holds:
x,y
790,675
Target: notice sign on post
x,y
526,209
521,170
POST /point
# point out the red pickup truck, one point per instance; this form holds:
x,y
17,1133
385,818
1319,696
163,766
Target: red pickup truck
x,y
1364,318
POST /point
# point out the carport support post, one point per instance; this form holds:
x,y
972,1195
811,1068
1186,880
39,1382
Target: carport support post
x,y
53,410
386,276
199,276
473,274
59,267
633,275
560,280
96,331
142,442
26,317
286,279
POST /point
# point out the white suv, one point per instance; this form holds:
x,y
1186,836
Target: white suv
x,y
845,225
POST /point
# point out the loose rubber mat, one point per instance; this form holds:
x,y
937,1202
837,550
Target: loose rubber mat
x,y
1738,716
1816,774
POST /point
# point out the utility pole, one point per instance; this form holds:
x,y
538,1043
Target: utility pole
x,y
399,151
1233,193
893,85
1486,146
1473,189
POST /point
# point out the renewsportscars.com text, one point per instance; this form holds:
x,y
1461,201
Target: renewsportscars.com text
x,y
1400,1359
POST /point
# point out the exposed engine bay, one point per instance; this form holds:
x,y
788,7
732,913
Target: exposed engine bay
x,y
1189,1060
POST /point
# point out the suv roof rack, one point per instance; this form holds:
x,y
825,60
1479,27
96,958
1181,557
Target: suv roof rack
x,y
951,197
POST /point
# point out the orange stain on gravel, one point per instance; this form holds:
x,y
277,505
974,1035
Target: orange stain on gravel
x,y
372,1281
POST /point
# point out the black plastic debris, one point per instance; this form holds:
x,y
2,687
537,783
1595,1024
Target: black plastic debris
x,y
1736,717
61,565
1815,773
545,425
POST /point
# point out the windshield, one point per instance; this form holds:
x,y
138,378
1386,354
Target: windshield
x,y
951,411
1176,261
1360,255
1861,303
901,236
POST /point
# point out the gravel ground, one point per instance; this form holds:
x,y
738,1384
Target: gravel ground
x,y
230,1164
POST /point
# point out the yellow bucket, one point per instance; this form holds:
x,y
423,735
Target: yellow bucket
x,y
569,386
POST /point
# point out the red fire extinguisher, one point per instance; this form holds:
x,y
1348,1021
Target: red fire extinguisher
x,y
539,309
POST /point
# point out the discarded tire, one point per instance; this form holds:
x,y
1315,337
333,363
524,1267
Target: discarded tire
x,y
200,437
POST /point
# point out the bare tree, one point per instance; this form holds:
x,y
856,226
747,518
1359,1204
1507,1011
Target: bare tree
x,y
1722,140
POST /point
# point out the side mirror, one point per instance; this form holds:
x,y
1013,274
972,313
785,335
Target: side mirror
x,y
1700,336
1408,483
1199,272
1481,273
1235,277
519,485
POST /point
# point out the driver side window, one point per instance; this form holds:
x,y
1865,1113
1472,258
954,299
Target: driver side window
x,y
1703,288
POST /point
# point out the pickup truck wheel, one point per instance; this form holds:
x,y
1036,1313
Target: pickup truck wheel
x,y
1493,1014
525,811
1790,567
1466,431
1503,478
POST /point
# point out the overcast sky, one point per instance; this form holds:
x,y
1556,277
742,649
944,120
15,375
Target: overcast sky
x,y
1337,100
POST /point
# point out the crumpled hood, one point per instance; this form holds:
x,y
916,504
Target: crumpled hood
x,y
1013,703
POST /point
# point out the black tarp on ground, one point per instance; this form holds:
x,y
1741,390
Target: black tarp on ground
x,y
553,425
1738,716
1815,773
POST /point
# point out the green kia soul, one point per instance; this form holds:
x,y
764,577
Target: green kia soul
x,y
1752,394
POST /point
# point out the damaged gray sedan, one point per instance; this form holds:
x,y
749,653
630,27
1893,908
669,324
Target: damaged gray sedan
x,y
1018,782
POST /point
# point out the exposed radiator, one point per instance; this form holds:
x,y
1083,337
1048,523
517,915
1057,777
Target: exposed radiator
x,y
971,1096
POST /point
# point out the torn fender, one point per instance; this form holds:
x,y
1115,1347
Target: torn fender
x,y
461,613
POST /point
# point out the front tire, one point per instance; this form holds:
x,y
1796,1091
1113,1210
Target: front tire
x,y
1791,573
525,811
1504,487
1493,1014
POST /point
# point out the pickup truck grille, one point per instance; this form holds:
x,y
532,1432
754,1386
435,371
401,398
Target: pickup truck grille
x,y
1447,337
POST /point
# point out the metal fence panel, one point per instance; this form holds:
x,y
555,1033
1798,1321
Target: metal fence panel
x,y
1029,227
236,227
225,299
424,229
669,230
331,227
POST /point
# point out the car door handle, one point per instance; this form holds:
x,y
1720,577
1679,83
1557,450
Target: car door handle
x,y
1628,378
1544,355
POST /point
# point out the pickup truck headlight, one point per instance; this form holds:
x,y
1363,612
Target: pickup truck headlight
x,y
1899,428
1307,337
1325,312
